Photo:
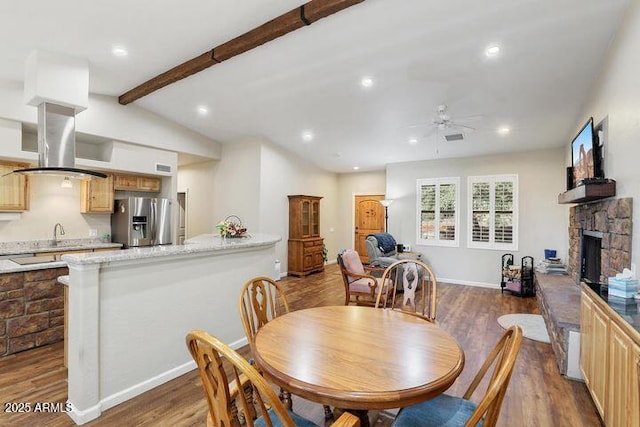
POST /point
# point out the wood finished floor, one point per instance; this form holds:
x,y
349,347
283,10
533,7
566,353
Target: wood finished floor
x,y
538,395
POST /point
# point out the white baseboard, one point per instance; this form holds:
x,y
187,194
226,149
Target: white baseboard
x,y
469,283
146,385
80,417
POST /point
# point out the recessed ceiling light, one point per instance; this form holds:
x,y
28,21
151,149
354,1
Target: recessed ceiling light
x,y
413,141
307,136
355,168
202,110
492,50
504,130
119,51
366,82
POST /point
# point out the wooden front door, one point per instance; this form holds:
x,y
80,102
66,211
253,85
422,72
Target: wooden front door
x,y
369,219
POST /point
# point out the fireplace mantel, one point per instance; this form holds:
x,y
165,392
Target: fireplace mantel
x,y
588,193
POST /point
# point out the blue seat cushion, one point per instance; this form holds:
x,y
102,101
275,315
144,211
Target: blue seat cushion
x,y
297,420
442,411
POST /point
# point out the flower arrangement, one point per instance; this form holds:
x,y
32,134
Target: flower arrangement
x,y
231,227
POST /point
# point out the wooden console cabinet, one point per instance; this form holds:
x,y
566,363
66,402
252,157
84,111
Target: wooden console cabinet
x,y
305,244
609,360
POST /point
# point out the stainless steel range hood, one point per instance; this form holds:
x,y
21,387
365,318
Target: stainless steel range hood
x,y
57,144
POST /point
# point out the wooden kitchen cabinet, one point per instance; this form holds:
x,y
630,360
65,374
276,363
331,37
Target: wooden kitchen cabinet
x,y
305,246
610,360
623,402
599,356
14,188
96,195
137,183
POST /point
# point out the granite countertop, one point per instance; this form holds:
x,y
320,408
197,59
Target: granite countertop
x,y
39,246
20,249
627,308
7,266
204,243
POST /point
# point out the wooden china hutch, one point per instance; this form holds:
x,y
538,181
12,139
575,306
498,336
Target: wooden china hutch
x,y
305,244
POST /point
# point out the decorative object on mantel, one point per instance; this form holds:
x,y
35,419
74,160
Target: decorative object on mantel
x,y
232,227
533,326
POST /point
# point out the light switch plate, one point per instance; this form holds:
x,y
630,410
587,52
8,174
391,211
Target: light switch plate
x,y
93,232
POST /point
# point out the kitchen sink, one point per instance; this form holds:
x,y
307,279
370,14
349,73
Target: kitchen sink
x,y
35,259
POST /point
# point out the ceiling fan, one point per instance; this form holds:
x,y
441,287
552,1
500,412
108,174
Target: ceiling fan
x,y
443,121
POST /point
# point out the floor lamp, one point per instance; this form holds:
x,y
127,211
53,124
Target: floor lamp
x,y
386,203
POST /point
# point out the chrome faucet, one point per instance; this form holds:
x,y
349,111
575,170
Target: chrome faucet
x,y
55,235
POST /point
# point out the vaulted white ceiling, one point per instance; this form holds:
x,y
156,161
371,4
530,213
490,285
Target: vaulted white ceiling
x,y
419,54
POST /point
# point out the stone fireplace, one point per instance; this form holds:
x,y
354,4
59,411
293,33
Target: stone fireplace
x,y
610,222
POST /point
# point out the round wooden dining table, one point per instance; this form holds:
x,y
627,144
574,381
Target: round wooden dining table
x,y
358,358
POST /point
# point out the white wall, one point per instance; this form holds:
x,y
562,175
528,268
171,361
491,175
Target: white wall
x,y
617,95
236,184
198,179
350,185
283,174
50,204
543,223
106,118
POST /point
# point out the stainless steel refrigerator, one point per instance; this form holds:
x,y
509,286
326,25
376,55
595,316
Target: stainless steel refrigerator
x,y
141,221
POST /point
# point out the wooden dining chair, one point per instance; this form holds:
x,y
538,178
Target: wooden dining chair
x,y
360,286
221,393
412,288
446,410
262,300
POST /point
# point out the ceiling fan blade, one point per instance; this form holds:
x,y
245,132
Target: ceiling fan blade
x,y
419,125
430,132
460,125
470,118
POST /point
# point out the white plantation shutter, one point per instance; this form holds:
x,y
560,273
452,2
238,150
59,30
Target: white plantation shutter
x,y
493,212
504,212
438,216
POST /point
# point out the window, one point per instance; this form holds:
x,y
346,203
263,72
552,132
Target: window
x,y
493,212
437,204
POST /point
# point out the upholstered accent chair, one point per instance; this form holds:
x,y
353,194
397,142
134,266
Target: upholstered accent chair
x,y
412,289
446,410
221,392
360,286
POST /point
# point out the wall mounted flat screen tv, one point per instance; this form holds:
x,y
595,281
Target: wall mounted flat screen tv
x,y
585,155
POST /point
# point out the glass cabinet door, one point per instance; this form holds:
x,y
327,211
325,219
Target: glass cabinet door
x,y
315,218
306,223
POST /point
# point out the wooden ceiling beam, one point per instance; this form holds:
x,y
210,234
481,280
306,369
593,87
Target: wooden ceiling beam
x,y
304,15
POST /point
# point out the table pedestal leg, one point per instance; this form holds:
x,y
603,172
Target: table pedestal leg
x,y
285,397
328,413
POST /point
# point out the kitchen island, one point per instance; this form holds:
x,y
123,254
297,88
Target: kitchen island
x,y
129,313
31,299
